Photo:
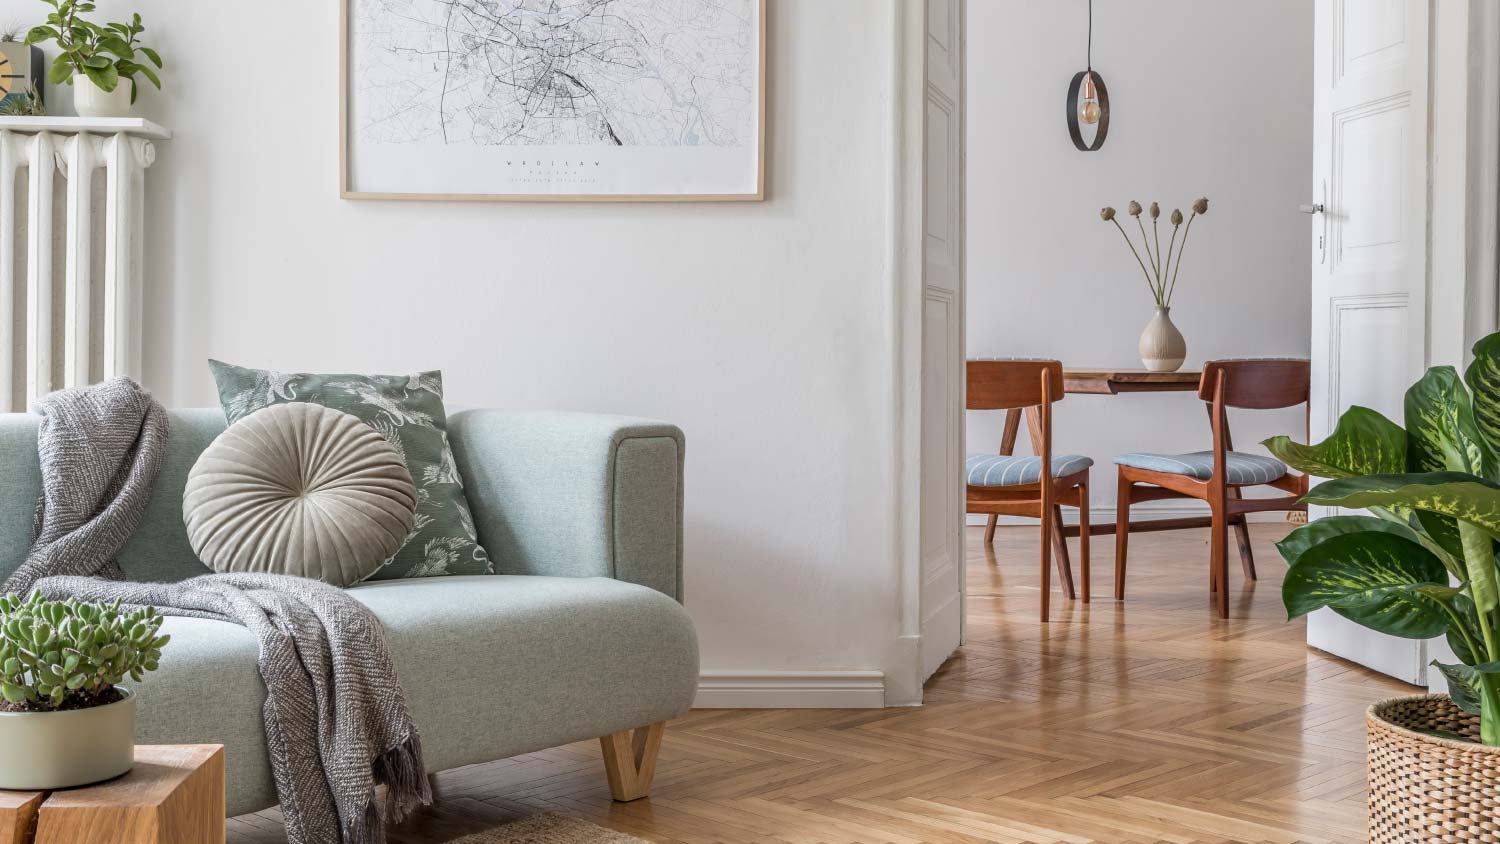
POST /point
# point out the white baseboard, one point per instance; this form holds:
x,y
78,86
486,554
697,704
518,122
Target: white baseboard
x,y
1100,513
790,690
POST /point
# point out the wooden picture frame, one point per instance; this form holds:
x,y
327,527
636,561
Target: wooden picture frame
x,y
347,190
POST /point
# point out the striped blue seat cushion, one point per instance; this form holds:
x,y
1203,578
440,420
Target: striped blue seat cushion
x,y
1240,468
1000,470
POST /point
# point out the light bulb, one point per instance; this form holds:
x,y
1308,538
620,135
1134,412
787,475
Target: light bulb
x,y
1088,110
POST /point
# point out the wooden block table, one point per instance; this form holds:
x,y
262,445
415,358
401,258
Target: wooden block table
x,y
173,795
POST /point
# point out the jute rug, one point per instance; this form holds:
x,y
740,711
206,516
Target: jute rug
x,y
549,828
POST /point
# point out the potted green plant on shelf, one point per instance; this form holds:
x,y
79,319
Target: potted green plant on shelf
x,y
97,60
64,719
1421,564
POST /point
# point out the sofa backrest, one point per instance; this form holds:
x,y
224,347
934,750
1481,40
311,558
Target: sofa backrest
x,y
554,494
159,550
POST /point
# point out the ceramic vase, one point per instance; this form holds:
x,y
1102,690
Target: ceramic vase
x,y
89,100
47,750
1162,347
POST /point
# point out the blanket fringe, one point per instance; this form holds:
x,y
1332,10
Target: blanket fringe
x,y
401,770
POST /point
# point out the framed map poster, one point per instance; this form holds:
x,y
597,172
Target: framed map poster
x,y
534,100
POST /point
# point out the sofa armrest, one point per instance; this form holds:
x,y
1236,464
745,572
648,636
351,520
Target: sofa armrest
x,y
575,494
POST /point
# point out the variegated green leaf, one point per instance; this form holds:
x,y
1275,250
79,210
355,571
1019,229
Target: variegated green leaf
x,y
1363,443
1467,498
1441,435
1463,607
1463,685
1483,378
1311,534
1444,531
1462,496
1371,578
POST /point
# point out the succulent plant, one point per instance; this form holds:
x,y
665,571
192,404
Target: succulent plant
x,y
56,652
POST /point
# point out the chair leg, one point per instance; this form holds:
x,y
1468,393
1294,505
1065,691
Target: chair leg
x,y
1219,557
630,760
1242,538
1122,534
1060,554
1046,566
989,530
1083,537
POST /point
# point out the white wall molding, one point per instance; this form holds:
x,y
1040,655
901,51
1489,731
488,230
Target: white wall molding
x,y
790,690
905,239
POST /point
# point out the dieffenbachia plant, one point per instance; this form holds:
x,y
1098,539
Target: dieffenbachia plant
x,y
1432,491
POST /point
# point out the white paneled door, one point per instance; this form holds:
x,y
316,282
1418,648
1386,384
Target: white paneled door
x,y
942,454
1369,232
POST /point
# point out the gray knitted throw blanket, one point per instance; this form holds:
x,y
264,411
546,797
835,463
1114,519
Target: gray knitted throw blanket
x,y
101,449
335,717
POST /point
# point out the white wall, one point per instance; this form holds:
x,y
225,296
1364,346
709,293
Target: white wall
x,y
1210,98
759,328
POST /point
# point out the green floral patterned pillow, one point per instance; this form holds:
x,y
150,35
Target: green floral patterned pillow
x,y
408,411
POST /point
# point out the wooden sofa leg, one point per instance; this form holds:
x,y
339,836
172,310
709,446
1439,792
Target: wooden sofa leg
x,y
630,760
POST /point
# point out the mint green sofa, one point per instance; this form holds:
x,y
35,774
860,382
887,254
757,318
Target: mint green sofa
x,y
579,634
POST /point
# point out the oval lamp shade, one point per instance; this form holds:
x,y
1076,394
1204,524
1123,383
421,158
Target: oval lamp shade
x,y
1075,93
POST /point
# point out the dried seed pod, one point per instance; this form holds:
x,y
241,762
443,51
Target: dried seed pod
x,y
1106,213
1155,210
1176,216
1200,205
1134,208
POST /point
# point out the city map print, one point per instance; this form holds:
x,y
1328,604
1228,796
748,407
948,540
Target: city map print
x,y
558,72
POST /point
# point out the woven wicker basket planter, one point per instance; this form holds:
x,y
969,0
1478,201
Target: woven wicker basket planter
x,y
1427,789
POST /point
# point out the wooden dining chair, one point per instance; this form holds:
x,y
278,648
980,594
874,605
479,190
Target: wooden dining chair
x,y
1011,485
1218,476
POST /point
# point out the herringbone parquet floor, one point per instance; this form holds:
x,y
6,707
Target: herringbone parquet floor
x,y
1149,721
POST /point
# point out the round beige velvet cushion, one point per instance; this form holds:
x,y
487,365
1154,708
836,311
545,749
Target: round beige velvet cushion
x,y
299,489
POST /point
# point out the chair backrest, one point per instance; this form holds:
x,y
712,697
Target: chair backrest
x,y
1006,384
1258,383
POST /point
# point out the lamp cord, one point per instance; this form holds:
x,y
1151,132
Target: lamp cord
x,y
1090,55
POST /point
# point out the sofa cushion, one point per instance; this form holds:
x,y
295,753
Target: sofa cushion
x,y
159,549
299,489
493,666
408,411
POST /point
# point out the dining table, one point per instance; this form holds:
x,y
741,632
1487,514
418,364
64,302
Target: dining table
x,y
1112,381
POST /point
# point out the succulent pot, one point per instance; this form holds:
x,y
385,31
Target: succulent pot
x,y
46,750
1162,347
89,100
1429,789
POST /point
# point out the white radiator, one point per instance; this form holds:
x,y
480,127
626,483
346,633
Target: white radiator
x,y
53,334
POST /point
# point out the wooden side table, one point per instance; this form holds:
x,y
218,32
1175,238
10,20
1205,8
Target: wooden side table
x,y
173,795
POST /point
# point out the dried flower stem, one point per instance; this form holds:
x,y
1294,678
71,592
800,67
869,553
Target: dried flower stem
x,y
1137,255
1170,244
1185,233
1146,245
1156,231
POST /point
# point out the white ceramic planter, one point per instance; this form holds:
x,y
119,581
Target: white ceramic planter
x,y
45,750
89,100
1162,346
